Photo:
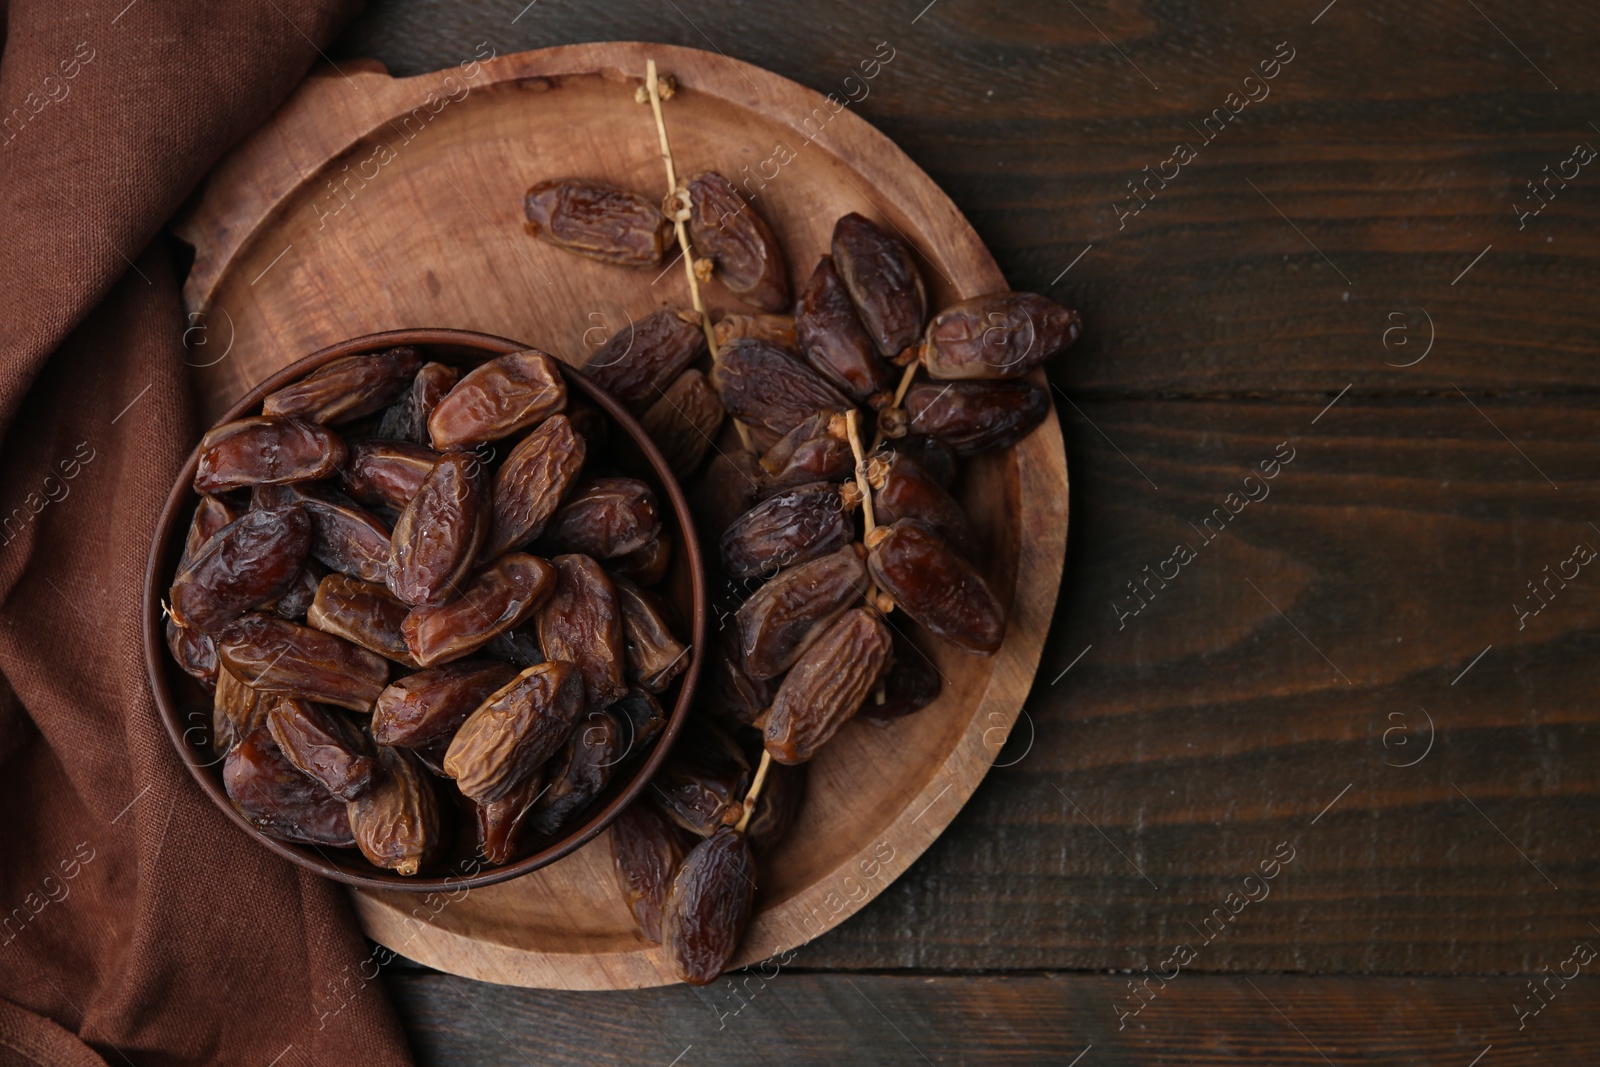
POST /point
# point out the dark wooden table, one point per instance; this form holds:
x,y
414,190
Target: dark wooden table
x,y
1347,676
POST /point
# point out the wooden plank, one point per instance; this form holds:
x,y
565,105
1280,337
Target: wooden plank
x,y
802,1018
1388,153
1170,759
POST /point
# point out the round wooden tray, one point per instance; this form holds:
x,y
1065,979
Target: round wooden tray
x,y
369,203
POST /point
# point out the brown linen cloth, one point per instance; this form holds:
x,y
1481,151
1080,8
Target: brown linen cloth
x,y
137,924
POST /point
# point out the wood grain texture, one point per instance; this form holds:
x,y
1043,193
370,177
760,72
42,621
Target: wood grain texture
x,y
369,203
803,1019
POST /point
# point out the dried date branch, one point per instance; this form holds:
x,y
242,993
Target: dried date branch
x,y
754,793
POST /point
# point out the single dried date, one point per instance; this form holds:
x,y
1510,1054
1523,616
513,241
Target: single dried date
x,y
738,242
581,623
646,848
344,537
322,743
365,613
761,383
778,329
937,459
684,420
252,559
386,473
936,586
346,389
833,339
881,275
793,609
605,518
911,683
707,907
499,597
644,717
407,418
733,697
396,823
211,514
519,646
194,651
970,416
237,711
422,709
438,535
266,450
784,530
636,363
296,601
703,782
496,399
647,565
275,655
997,335
580,772
515,730
278,799
598,221
500,823
654,655
529,485
903,490
827,685
817,450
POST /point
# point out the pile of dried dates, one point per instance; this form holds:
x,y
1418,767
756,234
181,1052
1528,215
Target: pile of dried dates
x,y
421,601
820,540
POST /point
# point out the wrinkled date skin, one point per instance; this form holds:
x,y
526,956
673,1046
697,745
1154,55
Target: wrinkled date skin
x,y
903,490
643,716
776,329
636,363
976,416
785,530
237,711
365,613
264,450
278,799
733,696
279,656
496,399
583,769
422,709
346,389
605,518
881,275
529,485
647,565
793,609
817,450
998,335
684,421
723,228
211,514
500,822
707,907
763,384
581,624
407,418
827,685
910,684
833,339
344,537
647,848
703,783
386,473
653,654
396,823
252,559
194,651
322,743
777,806
515,730
598,221
500,597
438,535
936,586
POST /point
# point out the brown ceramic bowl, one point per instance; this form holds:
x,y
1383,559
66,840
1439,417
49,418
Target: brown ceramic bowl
x,y
186,709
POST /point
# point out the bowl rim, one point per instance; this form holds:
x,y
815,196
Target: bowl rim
x,y
310,856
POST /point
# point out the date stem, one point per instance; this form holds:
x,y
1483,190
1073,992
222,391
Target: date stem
x,y
679,198
861,472
899,397
754,793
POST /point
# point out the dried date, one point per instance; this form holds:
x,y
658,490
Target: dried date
x,y
728,488
252,559
911,683
777,807
581,624
971,416
936,586
792,610
519,646
194,651
425,708
740,245
397,822
365,613
881,275
496,399
646,848
529,485
817,450
784,530
827,685
580,772
386,474
598,221
438,535
501,823
684,421
636,363
275,655
322,743
707,907
778,329
733,697
344,537
702,784
642,713
647,565
278,799
997,335
346,389
499,597
515,730
937,459
211,514
265,450
903,490
833,339
762,384
407,418
605,518
237,711
653,654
